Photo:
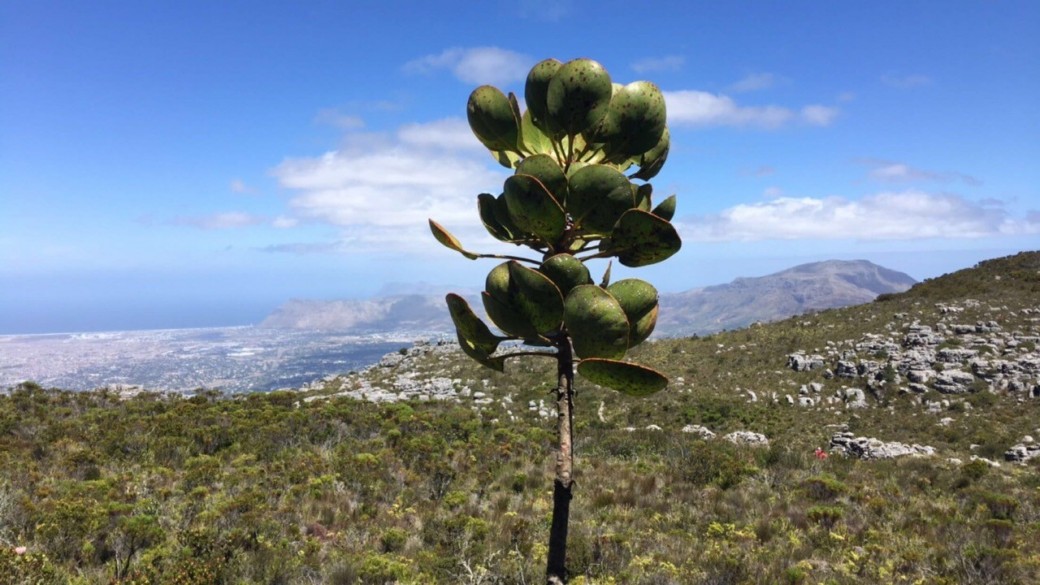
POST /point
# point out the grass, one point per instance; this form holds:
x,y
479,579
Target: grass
x,y
271,488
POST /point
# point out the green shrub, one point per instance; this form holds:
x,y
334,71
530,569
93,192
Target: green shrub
x,y
826,516
823,487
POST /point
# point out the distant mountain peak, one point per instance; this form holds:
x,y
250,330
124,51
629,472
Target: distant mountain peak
x,y
807,287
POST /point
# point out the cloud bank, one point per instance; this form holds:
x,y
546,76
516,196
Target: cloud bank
x,y
478,65
701,108
905,215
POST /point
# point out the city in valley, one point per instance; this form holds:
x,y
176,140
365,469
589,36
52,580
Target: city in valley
x,y
233,359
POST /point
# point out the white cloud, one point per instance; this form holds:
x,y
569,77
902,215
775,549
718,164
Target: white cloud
x,y
896,172
700,108
666,63
282,222
381,198
818,115
884,216
449,133
905,81
219,221
479,65
754,82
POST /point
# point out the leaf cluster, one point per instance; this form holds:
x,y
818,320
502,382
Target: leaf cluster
x,y
569,201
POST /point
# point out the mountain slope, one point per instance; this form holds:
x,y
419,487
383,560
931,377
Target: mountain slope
x,y
808,287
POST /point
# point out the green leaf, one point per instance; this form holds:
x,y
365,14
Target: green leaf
x,y
533,208
548,172
665,209
532,139
449,241
643,195
538,298
651,162
536,90
599,195
566,272
596,323
501,213
522,302
639,301
625,377
506,158
633,122
474,337
492,118
578,96
507,318
642,238
486,208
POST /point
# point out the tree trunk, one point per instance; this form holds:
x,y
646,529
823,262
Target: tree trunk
x,y
555,570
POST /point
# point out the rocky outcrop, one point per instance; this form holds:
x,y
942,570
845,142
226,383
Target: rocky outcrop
x,y
1024,451
747,438
699,431
913,357
871,448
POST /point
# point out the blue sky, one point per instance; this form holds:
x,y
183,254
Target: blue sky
x,y
188,163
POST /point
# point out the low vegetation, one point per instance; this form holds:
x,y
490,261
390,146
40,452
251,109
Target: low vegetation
x,y
316,487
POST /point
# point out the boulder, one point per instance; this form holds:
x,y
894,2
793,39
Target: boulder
x,y
747,438
953,382
698,430
854,398
1022,452
800,362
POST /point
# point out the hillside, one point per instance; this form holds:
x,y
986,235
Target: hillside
x,y
427,468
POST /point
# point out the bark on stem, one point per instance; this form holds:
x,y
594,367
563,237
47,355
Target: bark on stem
x,y
556,571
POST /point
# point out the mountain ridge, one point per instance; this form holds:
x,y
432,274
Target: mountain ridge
x,y
793,291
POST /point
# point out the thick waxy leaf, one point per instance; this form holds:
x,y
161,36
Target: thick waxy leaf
x,y
538,298
642,238
548,172
522,302
532,139
634,121
627,378
566,272
449,241
599,195
506,158
578,96
638,299
486,207
492,118
651,162
475,338
596,323
665,209
536,91
643,195
533,208
507,318
501,213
